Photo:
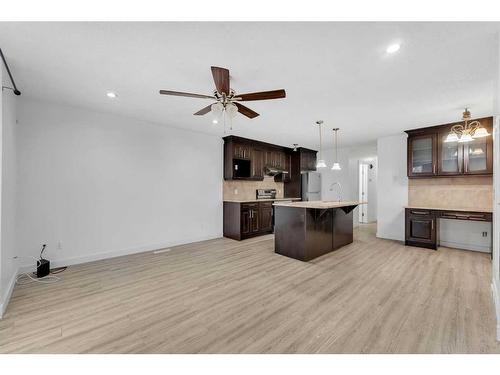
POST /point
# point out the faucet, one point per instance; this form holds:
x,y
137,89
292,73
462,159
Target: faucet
x,y
339,193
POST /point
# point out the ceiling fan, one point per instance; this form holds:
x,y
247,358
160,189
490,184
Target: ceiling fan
x,y
226,100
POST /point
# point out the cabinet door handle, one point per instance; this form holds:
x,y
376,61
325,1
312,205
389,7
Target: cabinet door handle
x,y
432,224
434,168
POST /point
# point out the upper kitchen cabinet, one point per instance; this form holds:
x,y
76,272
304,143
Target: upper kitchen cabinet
x,y
307,159
478,154
422,155
247,159
430,156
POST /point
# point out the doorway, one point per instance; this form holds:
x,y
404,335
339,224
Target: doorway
x,y
363,193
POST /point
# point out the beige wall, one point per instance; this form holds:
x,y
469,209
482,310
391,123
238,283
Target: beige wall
x,y
453,192
246,189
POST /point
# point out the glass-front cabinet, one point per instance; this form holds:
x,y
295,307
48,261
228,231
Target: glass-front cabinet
x,y
450,156
478,157
429,155
422,155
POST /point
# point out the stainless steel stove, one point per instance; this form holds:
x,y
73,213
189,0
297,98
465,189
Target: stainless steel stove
x,y
266,193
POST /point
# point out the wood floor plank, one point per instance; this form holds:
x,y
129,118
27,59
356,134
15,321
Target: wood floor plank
x,y
225,296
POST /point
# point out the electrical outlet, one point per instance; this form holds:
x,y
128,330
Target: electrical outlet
x,y
485,234
59,245
235,191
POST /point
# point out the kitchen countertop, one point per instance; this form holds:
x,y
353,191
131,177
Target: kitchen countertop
x,y
319,204
489,210
260,200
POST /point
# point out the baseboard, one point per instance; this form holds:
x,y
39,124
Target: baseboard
x,y
5,300
386,237
462,246
495,289
113,254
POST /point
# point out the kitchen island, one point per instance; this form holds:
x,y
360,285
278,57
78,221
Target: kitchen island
x,y
306,230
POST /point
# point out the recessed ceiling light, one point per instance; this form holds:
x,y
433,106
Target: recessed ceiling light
x,y
111,94
393,48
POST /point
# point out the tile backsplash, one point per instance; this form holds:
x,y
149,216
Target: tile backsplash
x,y
453,192
234,189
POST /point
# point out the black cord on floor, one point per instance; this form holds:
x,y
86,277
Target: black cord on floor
x,y
58,270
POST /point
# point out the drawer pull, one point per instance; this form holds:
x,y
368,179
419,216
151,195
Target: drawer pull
x,y
420,212
476,217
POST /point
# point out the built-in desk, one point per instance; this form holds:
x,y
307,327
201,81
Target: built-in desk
x,y
422,223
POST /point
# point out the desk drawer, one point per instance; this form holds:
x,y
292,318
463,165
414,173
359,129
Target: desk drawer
x,y
473,216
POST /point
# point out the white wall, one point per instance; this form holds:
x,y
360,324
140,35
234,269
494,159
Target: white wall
x,y
392,185
99,185
8,266
349,159
496,190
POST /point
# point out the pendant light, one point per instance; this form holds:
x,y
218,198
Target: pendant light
x,y
336,165
321,163
466,132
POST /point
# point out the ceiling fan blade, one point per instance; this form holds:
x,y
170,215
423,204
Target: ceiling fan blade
x,y
221,79
263,95
204,111
187,94
245,110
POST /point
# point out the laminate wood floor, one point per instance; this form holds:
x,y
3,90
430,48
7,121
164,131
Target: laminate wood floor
x,y
224,296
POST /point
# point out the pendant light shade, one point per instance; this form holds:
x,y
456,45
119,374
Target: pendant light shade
x,y
452,137
465,138
336,165
480,132
467,131
321,163
216,110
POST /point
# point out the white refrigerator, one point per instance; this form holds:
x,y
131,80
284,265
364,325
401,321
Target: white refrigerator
x,y
311,186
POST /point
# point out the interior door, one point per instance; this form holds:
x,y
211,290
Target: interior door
x,y
363,193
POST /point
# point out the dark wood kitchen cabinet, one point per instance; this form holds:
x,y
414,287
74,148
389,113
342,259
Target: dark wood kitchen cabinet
x,y
257,162
420,228
241,151
430,156
245,220
422,225
266,216
302,160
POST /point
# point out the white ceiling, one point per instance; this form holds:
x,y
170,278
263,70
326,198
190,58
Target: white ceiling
x,y
338,72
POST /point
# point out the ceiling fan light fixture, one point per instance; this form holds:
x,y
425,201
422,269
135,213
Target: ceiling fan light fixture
x,y
231,110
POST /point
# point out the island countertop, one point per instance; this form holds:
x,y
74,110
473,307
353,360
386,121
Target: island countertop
x,y
260,200
319,204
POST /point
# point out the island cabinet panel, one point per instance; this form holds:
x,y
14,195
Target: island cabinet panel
x,y
307,233
319,233
342,227
290,232
430,156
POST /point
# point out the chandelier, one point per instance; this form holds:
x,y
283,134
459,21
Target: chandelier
x,y
467,131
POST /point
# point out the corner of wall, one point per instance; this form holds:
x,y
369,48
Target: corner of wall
x,y
5,299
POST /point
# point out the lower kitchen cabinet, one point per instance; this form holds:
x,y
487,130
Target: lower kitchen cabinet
x,y
421,228
244,220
